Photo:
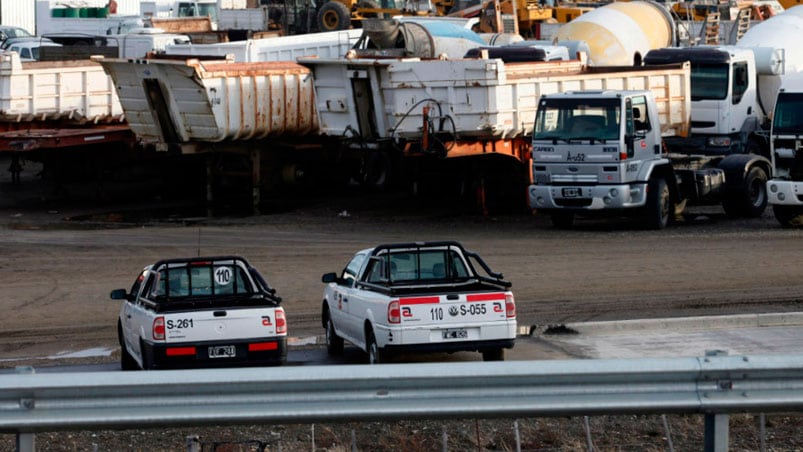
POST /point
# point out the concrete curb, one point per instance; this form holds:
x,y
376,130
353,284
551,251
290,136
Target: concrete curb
x,y
776,319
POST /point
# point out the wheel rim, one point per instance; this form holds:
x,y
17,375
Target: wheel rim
x,y
330,20
757,192
330,331
373,352
665,204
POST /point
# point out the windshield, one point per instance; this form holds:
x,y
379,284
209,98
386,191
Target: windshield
x,y
709,81
579,119
788,116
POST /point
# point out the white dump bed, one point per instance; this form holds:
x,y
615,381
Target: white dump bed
x,y
74,90
179,101
482,98
332,44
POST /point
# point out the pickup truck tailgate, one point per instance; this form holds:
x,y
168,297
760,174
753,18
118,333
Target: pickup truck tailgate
x,y
453,309
221,324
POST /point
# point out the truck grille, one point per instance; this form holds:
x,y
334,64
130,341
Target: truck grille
x,y
573,202
574,179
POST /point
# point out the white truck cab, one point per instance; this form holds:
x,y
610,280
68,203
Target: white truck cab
x,y
597,150
785,189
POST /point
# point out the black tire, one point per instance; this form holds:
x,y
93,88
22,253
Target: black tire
x,y
562,220
375,354
147,361
377,171
496,354
789,216
659,209
334,343
334,16
127,362
751,200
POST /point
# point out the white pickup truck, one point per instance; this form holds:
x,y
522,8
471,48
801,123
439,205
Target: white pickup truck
x,y
204,311
418,297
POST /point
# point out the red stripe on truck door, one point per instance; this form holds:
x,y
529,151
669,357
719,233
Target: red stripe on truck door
x,y
486,297
419,300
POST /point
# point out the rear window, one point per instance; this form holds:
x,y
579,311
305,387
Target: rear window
x,y
202,280
417,266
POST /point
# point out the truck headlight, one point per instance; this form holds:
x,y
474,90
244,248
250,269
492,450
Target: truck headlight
x,y
719,141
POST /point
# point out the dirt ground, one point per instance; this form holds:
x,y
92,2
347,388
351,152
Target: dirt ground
x,y
59,261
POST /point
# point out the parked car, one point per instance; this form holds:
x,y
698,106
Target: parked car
x,y
28,49
7,31
418,297
200,312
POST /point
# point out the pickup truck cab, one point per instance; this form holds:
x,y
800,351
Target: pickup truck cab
x,y
200,312
418,297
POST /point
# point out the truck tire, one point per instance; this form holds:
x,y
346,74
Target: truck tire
x,y
127,362
751,200
659,209
334,16
562,220
334,343
496,354
789,216
147,361
375,354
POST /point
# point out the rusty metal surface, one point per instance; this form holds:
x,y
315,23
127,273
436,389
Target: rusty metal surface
x,y
34,139
169,101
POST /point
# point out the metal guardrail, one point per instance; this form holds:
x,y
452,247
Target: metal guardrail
x,y
713,385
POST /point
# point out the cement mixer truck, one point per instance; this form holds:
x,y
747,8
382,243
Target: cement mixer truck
x,y
733,91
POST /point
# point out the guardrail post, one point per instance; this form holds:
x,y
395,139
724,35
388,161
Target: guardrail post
x,y
716,433
26,442
716,425
193,443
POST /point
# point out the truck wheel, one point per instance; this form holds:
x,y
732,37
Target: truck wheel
x,y
334,343
334,16
147,361
375,354
659,207
562,220
127,362
497,354
751,201
789,216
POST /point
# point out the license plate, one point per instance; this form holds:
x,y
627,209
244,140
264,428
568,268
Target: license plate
x,y
572,192
222,351
455,334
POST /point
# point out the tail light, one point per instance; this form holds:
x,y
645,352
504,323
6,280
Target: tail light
x,y
623,156
159,329
281,323
394,312
510,306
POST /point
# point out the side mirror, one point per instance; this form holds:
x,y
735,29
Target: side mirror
x,y
330,278
119,294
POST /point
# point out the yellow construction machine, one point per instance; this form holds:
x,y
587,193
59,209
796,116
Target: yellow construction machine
x,y
343,14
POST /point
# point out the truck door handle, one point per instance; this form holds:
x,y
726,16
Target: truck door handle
x,y
219,313
452,297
